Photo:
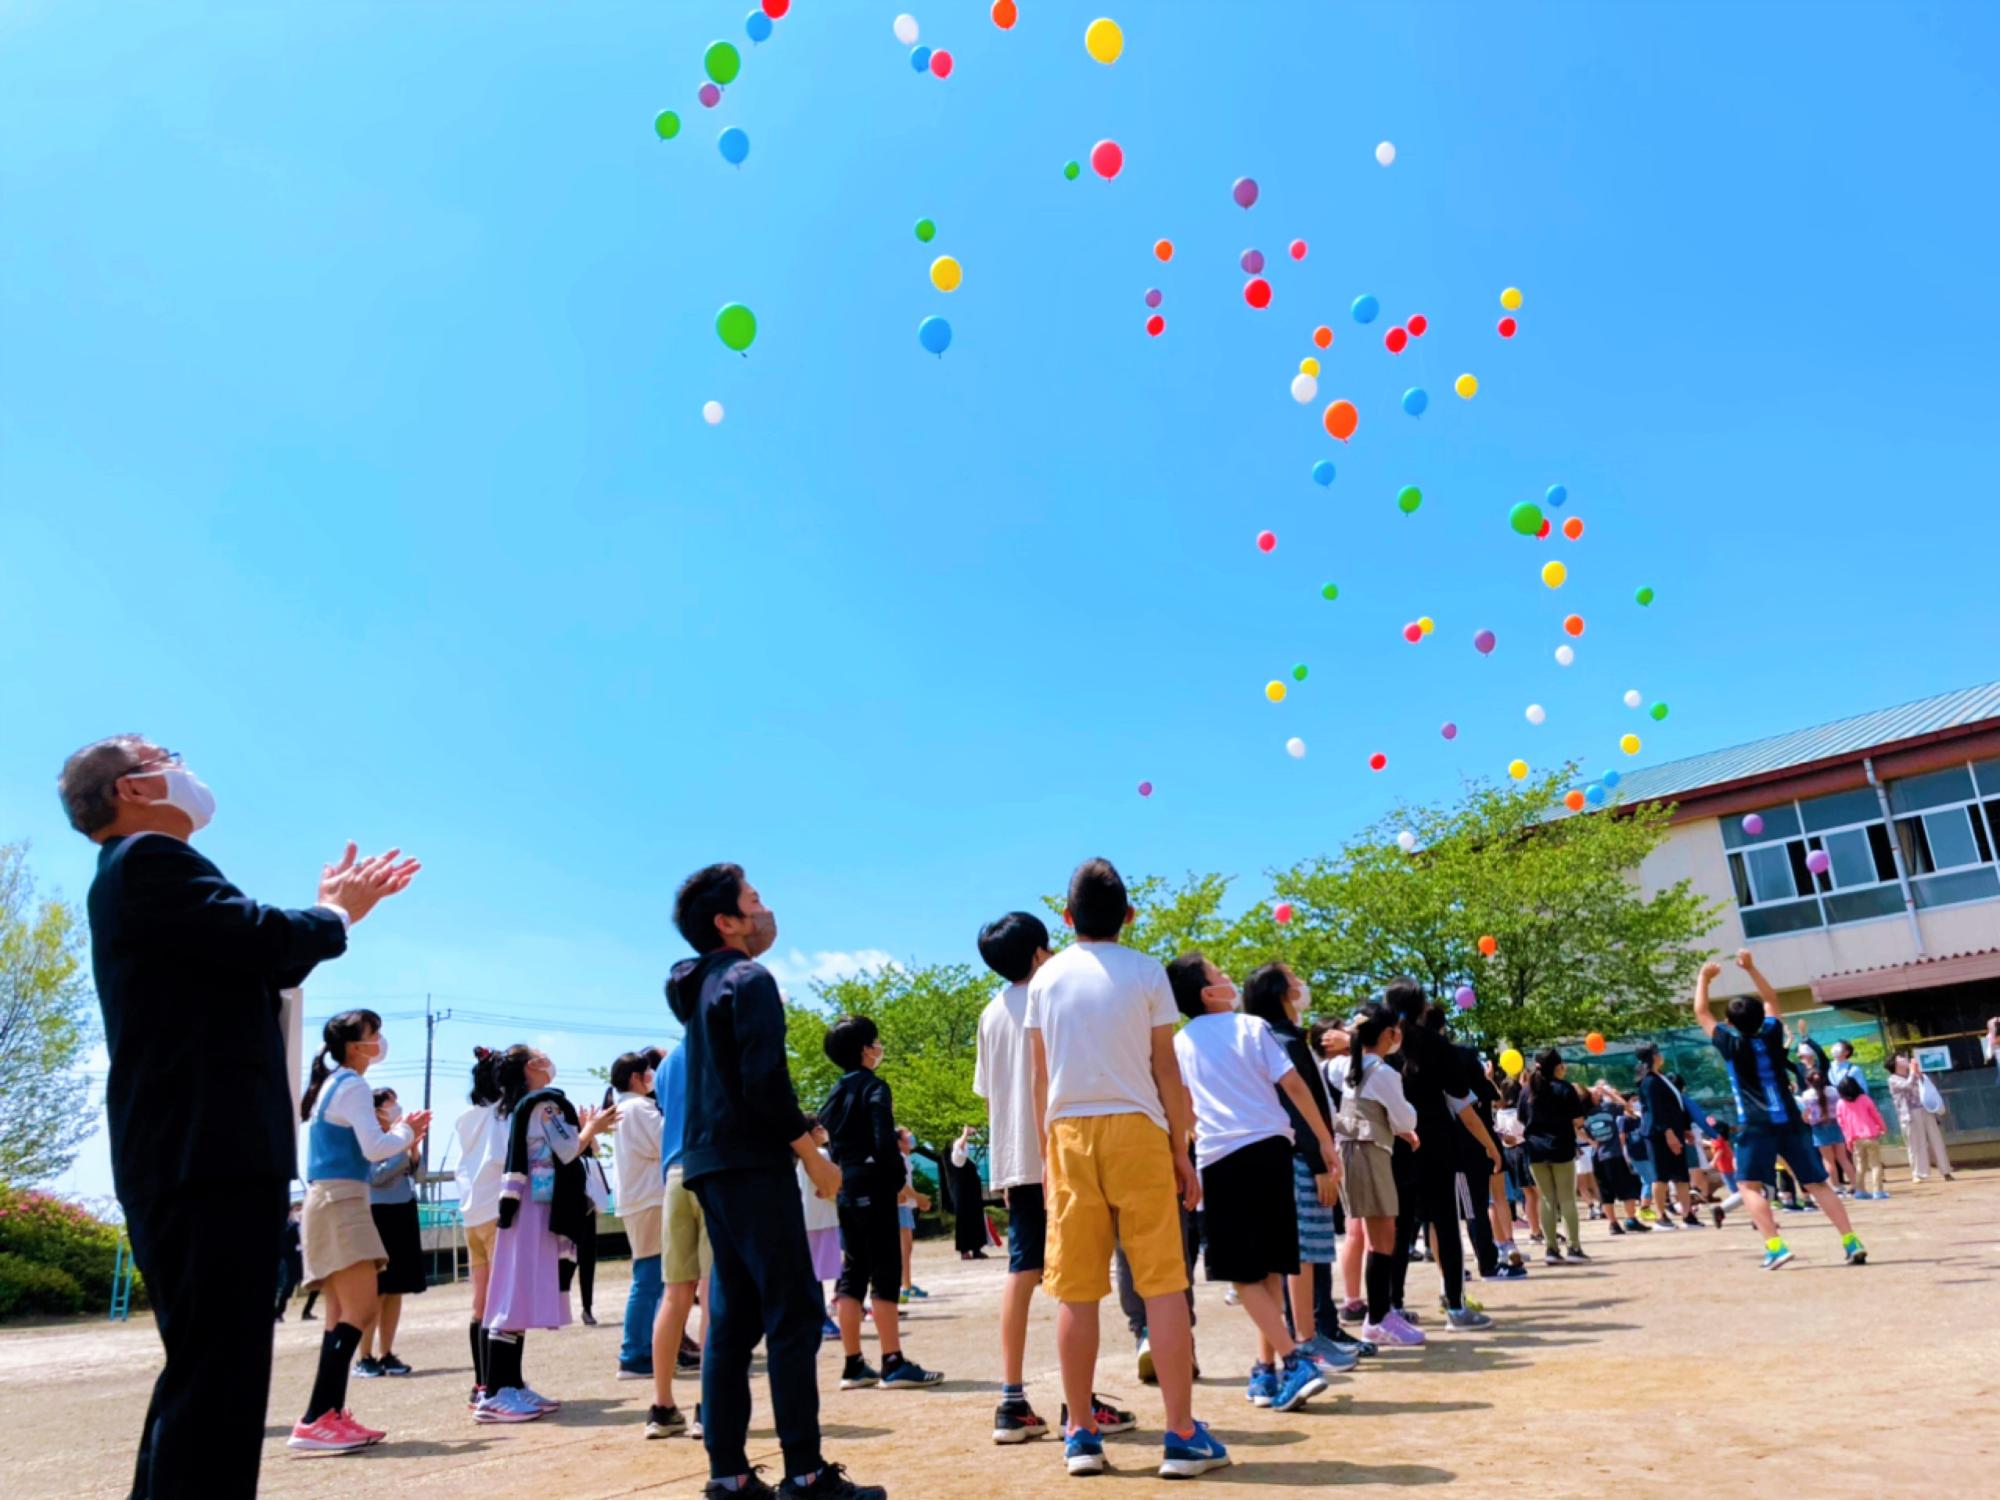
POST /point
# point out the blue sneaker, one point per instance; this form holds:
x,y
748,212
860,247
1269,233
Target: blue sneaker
x,y
1083,1453
828,1329
1187,1457
909,1375
1298,1381
1776,1258
1330,1358
1263,1387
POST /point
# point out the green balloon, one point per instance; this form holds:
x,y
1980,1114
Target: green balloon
x,y
722,61
926,230
1644,596
1299,672
1658,710
1331,591
736,326
666,124
1408,498
1525,518
1071,169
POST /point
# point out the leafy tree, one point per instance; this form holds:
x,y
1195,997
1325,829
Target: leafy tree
x,y
46,1026
1170,920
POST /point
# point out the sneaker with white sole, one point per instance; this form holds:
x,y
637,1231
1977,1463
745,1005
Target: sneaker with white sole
x,y
546,1403
910,1376
327,1435
1189,1457
1776,1258
372,1434
506,1405
1298,1381
1016,1422
664,1421
1262,1388
1083,1453
1330,1358
1393,1330
1467,1318
1110,1420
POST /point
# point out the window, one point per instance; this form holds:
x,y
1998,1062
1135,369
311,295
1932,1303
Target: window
x,y
1790,916
1780,822
1864,904
1840,809
1932,789
1979,883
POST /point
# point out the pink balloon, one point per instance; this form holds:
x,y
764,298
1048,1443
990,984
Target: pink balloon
x,y
1152,296
1282,912
1753,825
1244,191
1484,641
1145,789
1450,731
941,63
1252,261
1298,249
1107,159
1267,541
1818,862
1413,632
709,95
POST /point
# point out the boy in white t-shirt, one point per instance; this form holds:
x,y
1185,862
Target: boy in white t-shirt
x,y
1243,1146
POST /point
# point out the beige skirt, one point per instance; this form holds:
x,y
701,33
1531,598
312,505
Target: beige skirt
x,y
1367,1181
336,1230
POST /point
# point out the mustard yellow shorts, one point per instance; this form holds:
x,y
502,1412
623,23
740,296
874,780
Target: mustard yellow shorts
x,y
479,1242
1109,1180
686,1255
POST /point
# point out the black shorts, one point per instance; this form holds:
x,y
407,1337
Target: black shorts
x,y
1027,1226
1668,1165
871,1247
1250,1214
1616,1182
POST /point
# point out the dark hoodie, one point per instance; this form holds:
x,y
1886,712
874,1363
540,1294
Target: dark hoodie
x,y
741,1112
860,1120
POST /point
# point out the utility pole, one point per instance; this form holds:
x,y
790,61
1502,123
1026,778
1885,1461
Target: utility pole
x,y
431,1020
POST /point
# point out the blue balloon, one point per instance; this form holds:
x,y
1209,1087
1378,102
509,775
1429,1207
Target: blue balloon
x,y
1556,495
1609,778
934,334
920,59
733,143
758,25
1594,795
1416,400
1323,471
1365,308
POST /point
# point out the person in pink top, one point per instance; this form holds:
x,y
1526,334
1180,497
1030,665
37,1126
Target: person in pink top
x,y
1862,1123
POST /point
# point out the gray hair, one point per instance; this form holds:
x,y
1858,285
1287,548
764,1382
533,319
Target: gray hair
x,y
88,777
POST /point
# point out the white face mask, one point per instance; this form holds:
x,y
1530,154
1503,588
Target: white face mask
x,y
381,1048
393,1113
1305,997
187,792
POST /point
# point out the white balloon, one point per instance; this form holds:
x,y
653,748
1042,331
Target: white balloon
x,y
1295,748
1632,699
1386,152
1406,841
1304,388
711,412
906,29
1565,655
1536,713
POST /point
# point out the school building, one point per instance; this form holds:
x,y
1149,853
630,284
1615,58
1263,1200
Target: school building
x,y
1897,941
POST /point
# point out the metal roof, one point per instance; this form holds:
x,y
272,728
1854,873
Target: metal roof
x,y
1801,747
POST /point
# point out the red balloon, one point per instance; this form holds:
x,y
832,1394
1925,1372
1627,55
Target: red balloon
x,y
1417,324
776,9
1413,632
1257,292
1005,14
1156,325
1544,529
1573,527
1298,249
1107,159
1267,541
941,63
1322,336
1282,912
1507,326
1377,761
1395,340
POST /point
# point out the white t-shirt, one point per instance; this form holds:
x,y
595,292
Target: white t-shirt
x,y
1231,1063
637,1158
1096,1006
821,1213
1003,1074
482,1162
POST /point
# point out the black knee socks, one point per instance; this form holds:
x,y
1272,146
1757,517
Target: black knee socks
x,y
1378,1278
477,1333
336,1353
503,1361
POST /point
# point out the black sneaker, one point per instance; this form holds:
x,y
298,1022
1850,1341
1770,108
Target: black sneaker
x,y
831,1483
1016,1422
394,1366
368,1368
1346,1340
858,1374
1693,1220
1717,1211
1637,1226
664,1421
908,1375
1576,1253
1616,1227
753,1489
1109,1418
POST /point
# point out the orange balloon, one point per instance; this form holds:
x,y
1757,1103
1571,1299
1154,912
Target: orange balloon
x,y
1163,249
1573,800
1489,944
1342,419
1573,527
1573,624
1594,1043
1322,336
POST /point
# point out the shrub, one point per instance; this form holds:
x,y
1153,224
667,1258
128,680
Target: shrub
x,y
46,1234
26,1287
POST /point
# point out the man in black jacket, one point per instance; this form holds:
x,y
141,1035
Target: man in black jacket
x,y
744,1134
204,1125
1665,1123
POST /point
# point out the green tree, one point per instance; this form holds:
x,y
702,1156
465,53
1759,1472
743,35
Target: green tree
x,y
1169,920
46,1026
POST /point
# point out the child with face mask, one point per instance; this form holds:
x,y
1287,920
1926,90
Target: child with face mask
x,y
392,1203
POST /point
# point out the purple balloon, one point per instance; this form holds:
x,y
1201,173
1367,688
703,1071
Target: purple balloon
x,y
1753,825
1818,862
1484,642
1465,997
1244,191
1253,261
1152,296
1450,730
709,95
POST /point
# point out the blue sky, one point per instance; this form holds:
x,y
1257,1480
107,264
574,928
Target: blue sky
x,y
351,365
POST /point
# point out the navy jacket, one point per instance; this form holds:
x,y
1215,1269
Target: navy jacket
x,y
860,1120
1661,1109
188,970
742,1114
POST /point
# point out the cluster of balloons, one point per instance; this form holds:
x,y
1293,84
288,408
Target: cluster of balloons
x,y
935,61
723,63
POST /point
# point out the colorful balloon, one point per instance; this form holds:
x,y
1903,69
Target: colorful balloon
x,y
941,64
1163,250
1466,997
1818,862
1072,170
1537,714
758,26
946,273
1396,340
666,124
1565,656
1511,1063
1257,292
1299,672
1448,729
1323,475
1377,761
1107,159
711,413
906,29
1156,325
1488,944
1573,800
1542,530
1483,641
1282,912
1244,191
776,9
1573,624
1413,632
1416,401
1153,296
1658,711
1632,699
722,62
1407,841
1329,591
1252,261
1609,778
1103,40
1267,541
1323,336
1644,596
734,143
1556,495
1525,517
1417,325
1573,527
1594,795
1408,498
1553,574
1145,789
1309,366
1467,386
736,326
1426,624
1594,1043
1385,153
934,333
1295,748
1275,690
1297,249
1511,299
1629,743
1341,419
1005,14
926,230
1364,308
1506,328
709,95
1753,824
1304,389
920,59
1517,769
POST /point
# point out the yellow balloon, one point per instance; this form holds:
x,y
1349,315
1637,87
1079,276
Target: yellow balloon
x,y
1518,769
946,273
1511,1063
1511,298
1309,366
1467,386
1553,574
1629,743
1427,624
1275,691
1103,40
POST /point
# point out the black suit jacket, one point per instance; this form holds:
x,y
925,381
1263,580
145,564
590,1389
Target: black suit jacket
x,y
188,971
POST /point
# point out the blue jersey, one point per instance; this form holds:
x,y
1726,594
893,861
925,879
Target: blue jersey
x,y
1760,1075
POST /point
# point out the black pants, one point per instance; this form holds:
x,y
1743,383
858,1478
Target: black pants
x,y
1479,1222
583,1270
1431,1198
206,1250
762,1287
1403,1164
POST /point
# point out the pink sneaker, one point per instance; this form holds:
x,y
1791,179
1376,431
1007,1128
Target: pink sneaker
x,y
1393,1330
328,1435
371,1434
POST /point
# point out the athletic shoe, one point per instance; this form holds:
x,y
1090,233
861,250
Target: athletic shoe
x,y
1394,1331
903,1298
1147,1374
687,1363
1616,1227
828,1330
1083,1453
373,1434
328,1435
858,1375
635,1372
831,1483
913,1290
1669,1223
1187,1457
754,1488
694,1427
1298,1382
1554,1258
1467,1318
1776,1258
1110,1420
1230,1299
1857,1254
1717,1214
1330,1358
1793,1208
1693,1219
909,1375
478,1395
1881,1197
536,1398
394,1366
506,1405
1633,1226
1406,1315
1354,1311
1016,1422
664,1421
1465,1299
1262,1389
1576,1252
1360,1348
369,1368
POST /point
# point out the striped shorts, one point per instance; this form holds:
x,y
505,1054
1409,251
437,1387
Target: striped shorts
x,y
1315,1218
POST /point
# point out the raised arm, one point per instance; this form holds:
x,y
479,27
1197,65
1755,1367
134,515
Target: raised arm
x,y
1765,992
1703,1016
178,898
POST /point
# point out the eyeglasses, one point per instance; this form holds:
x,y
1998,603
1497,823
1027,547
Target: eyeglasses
x,y
162,760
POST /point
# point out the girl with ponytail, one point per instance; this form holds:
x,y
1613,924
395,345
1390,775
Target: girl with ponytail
x,y
482,1158
1373,1113
342,1248
1552,1118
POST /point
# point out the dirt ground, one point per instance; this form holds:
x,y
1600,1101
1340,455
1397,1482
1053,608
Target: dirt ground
x,y
1671,1364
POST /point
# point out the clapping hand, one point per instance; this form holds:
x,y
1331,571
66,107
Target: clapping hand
x,y
355,886
419,1121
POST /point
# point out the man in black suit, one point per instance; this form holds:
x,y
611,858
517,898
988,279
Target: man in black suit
x,y
204,1126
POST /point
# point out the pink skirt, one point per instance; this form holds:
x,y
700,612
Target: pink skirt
x,y
825,1247
526,1290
